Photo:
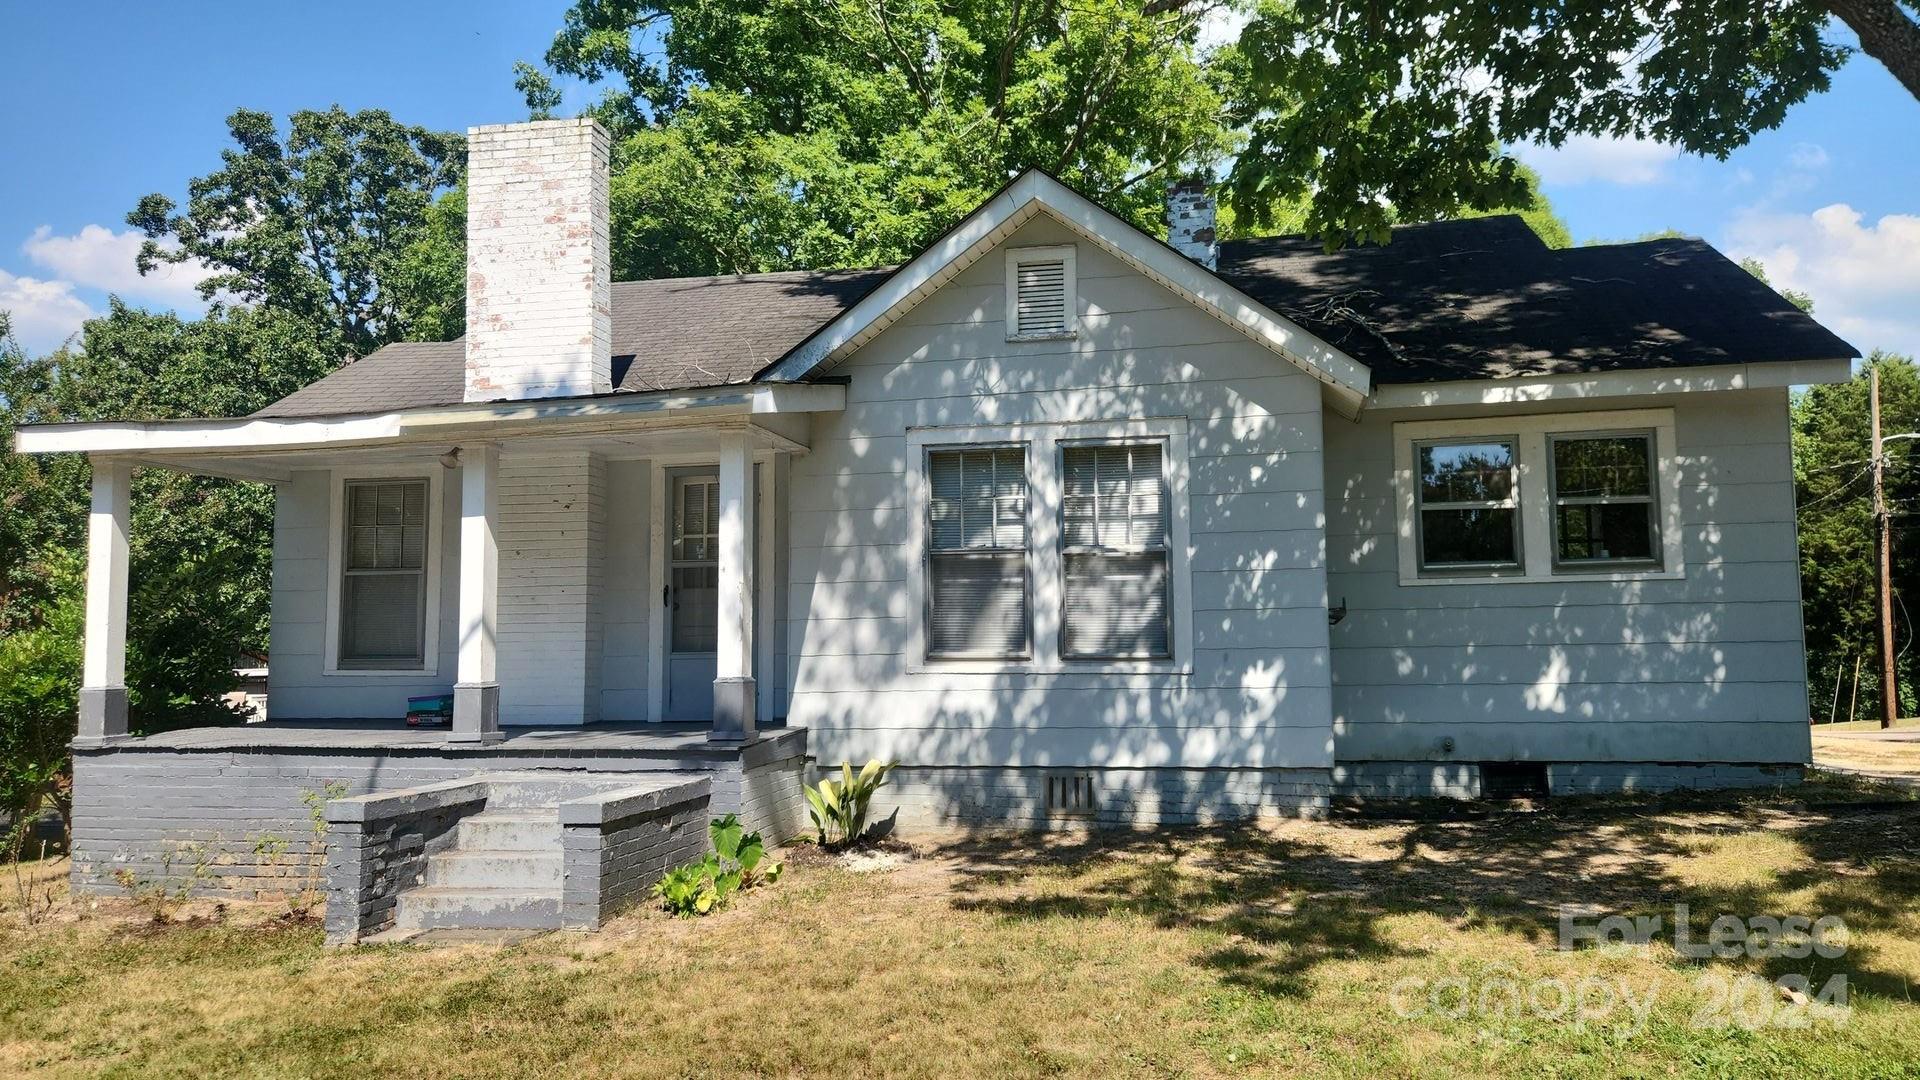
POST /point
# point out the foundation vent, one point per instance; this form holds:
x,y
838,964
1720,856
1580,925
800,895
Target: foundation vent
x,y
1070,794
1513,780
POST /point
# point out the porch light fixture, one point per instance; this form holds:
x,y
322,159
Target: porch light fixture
x,y
450,459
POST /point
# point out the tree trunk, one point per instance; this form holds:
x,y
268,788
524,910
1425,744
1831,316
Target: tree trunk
x,y
1887,33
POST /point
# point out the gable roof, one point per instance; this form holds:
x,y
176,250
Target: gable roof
x,y
1485,299
1033,193
1475,299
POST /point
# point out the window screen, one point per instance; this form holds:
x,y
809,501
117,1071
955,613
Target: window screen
x,y
1469,505
383,594
977,553
1040,296
1603,504
1114,535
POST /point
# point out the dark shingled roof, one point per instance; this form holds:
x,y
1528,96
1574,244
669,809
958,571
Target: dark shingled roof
x,y
1477,299
668,334
1485,299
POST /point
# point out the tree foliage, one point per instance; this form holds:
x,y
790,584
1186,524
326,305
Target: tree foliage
x,y
1792,296
200,548
334,223
756,136
1388,107
1838,560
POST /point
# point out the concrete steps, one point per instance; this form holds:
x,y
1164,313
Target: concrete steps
x,y
482,869
504,873
447,907
518,829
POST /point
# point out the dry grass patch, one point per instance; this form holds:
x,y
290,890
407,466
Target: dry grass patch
x,y
1869,754
1200,953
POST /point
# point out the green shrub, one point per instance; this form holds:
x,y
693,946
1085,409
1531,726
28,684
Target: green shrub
x,y
840,809
738,861
39,688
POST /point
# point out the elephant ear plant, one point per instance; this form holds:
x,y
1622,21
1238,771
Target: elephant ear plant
x,y
839,808
738,861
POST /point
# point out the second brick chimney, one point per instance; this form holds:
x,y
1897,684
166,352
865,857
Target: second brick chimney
x,y
1190,225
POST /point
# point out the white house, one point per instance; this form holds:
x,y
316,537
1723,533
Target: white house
x,y
1068,521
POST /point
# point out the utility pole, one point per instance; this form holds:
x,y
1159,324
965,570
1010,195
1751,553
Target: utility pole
x,y
1889,691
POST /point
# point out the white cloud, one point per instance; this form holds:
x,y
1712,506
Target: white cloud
x,y
43,313
1586,159
1808,156
96,257
1864,277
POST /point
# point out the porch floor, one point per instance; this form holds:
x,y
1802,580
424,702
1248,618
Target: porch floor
x,y
648,739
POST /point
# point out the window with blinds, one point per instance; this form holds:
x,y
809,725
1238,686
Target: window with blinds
x,y
1040,286
383,592
1114,547
977,553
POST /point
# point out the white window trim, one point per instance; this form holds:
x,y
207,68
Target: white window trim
x,y
1532,465
432,472
1017,257
1044,561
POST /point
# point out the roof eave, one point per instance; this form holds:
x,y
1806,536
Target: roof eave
x,y
1635,382
553,415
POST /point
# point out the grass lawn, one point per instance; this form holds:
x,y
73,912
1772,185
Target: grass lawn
x,y
1332,948
1905,723
1866,753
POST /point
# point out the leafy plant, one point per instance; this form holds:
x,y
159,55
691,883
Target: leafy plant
x,y
840,809
163,895
738,861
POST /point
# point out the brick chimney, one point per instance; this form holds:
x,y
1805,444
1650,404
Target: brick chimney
x,y
1190,222
539,300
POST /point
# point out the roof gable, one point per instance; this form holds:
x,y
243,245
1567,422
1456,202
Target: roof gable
x,y
1033,193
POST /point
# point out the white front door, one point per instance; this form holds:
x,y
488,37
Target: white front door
x,y
693,595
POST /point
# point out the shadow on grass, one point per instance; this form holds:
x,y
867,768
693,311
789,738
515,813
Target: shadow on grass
x,y
1276,903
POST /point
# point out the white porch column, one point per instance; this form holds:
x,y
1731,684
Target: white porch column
x,y
476,690
103,674
734,698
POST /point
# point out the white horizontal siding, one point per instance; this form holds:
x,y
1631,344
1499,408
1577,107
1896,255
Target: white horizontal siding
x,y
1709,666
553,512
297,688
626,600
1258,689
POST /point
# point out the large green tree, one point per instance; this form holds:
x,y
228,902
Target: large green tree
x,y
1387,107
200,547
1833,487
346,233
801,133
349,221
823,133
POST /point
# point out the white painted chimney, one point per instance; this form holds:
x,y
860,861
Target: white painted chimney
x,y
539,299
1190,222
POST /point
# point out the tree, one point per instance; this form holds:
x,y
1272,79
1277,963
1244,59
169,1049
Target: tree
x,y
1838,564
200,548
1792,296
1388,107
755,136
336,223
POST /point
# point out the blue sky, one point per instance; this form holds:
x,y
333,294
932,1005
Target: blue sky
x,y
127,100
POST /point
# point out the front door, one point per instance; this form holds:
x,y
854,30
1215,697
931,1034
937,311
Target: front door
x,y
693,595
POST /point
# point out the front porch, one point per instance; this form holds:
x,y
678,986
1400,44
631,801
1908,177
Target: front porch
x,y
544,827
544,564
668,745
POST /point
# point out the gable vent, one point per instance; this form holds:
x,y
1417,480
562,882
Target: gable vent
x,y
1040,298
